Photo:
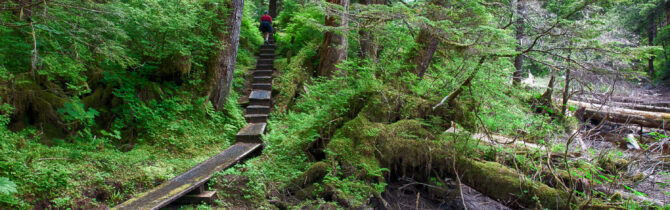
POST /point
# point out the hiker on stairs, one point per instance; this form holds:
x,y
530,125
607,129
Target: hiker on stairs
x,y
266,26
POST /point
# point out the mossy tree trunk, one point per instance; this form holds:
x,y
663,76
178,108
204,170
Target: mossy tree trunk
x,y
221,66
427,42
425,53
334,47
366,41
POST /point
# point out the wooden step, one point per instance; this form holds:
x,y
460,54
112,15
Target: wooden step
x,y
198,196
267,73
267,50
192,179
256,118
204,197
258,109
261,86
265,61
252,133
266,55
265,66
268,46
260,97
262,79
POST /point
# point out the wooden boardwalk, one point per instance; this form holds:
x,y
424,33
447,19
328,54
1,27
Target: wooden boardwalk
x,y
191,185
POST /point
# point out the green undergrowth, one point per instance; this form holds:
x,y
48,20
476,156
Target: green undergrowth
x,y
96,173
118,102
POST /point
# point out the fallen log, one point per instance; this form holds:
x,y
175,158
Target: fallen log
x,y
622,115
642,106
622,99
421,159
505,184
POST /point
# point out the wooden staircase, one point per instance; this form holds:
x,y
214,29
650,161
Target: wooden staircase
x,y
191,186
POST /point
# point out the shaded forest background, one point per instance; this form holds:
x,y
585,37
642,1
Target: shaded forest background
x,y
102,100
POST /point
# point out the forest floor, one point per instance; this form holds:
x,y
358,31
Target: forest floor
x,y
644,169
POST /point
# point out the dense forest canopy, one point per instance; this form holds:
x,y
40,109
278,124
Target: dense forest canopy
x,y
372,101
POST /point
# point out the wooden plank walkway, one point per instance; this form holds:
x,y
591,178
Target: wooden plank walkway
x,y
249,141
179,186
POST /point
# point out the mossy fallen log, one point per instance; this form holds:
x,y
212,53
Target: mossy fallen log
x,y
506,185
409,150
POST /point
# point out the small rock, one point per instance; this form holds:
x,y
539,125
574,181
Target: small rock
x,y
631,142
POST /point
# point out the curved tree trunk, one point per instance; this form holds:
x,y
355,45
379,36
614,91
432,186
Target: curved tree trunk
x,y
428,45
334,47
221,66
427,41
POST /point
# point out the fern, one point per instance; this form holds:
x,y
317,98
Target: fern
x,y
7,186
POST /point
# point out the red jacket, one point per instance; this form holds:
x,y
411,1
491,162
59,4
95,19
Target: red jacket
x,y
266,18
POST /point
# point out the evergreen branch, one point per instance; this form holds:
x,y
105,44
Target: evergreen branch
x,y
556,24
450,98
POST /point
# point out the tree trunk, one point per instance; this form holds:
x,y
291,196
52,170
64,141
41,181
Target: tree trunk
x,y
427,42
425,53
566,88
651,32
518,60
221,66
368,47
366,41
273,8
334,47
566,92
545,99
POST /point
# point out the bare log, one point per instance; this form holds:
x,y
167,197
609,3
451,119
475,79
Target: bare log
x,y
622,115
642,107
656,102
637,105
